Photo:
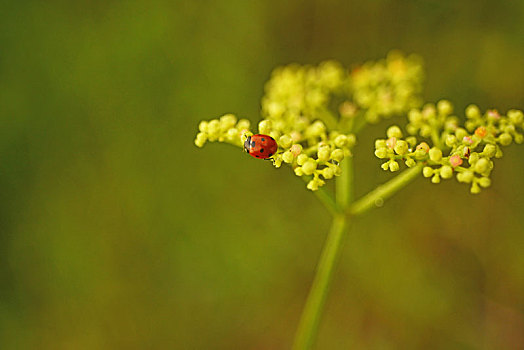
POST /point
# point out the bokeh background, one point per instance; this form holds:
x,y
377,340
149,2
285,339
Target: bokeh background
x,y
116,232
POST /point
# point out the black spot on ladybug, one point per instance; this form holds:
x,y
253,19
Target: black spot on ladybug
x,y
261,150
252,143
263,139
270,154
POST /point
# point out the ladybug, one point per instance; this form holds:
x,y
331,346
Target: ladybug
x,y
260,146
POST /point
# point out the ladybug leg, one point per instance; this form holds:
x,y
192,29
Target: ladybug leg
x,y
271,159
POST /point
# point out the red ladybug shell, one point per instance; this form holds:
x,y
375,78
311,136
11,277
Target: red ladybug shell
x,y
260,146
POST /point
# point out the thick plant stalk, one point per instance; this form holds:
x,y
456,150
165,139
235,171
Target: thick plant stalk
x,y
309,322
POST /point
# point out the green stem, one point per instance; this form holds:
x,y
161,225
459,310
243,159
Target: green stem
x,y
309,321
345,183
327,199
381,193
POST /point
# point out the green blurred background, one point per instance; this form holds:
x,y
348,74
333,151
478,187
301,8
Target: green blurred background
x,y
118,233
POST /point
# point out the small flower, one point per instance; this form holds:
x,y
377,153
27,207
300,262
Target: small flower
x,y
296,149
423,146
467,140
481,132
455,161
391,142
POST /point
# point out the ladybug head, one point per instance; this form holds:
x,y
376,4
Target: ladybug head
x,y
247,144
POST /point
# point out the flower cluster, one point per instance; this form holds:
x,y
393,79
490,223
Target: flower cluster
x,y
313,112
388,87
466,152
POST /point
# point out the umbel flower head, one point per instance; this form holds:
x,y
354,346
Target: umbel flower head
x,y
436,139
313,112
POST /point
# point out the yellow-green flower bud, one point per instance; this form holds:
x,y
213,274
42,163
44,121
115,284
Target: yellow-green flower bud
x,y
243,124
435,179
515,116
484,182
352,140
213,127
328,173
427,171
393,166
380,143
285,141
505,139
415,116
232,133
481,165
466,176
489,150
341,141
394,131
324,153
317,128
288,157
472,111
385,166
337,155
411,140
475,188
446,172
309,166
451,140
200,139
411,129
314,184
299,171
203,126
337,169
473,158
302,158
444,107
410,162
425,131
510,128
401,147
381,153
264,127
435,154
460,133
227,121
